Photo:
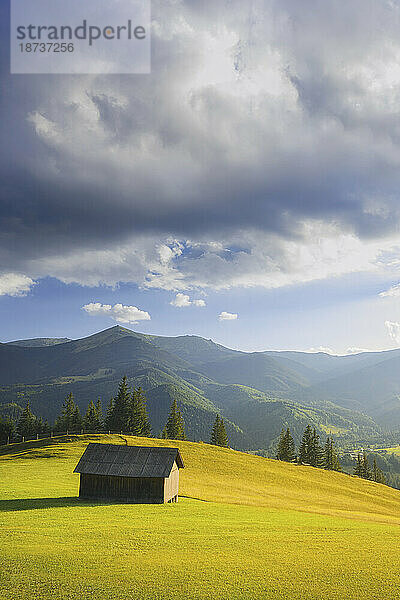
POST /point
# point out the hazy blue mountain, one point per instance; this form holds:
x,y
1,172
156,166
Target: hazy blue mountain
x,y
372,389
255,370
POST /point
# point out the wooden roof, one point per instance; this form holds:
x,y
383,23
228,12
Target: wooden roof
x,y
128,461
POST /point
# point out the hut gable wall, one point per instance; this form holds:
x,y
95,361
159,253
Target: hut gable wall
x,y
171,484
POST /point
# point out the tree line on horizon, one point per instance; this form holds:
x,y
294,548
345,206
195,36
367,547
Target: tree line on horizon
x,y
312,453
363,469
127,412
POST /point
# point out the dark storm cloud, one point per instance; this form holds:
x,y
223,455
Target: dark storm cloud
x,y
298,121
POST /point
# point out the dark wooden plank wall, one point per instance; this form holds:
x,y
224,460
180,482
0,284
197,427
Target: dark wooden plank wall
x,y
132,489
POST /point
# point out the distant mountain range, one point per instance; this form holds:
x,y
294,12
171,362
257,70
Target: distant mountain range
x,y
257,393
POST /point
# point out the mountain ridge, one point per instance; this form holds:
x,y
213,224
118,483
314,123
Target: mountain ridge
x,y
256,392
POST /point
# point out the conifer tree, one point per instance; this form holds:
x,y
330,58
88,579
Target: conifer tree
x,y
330,457
286,448
218,434
214,431
374,470
99,413
175,428
358,468
27,423
7,428
69,419
119,417
377,473
42,426
362,467
367,473
91,421
108,421
77,421
310,451
138,420
305,450
317,453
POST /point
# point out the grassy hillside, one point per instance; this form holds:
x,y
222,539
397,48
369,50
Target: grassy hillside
x,y
245,528
394,450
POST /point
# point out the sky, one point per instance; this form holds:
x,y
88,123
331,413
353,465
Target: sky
x,y
246,190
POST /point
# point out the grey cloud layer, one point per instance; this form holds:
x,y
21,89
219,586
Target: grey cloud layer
x,y
257,118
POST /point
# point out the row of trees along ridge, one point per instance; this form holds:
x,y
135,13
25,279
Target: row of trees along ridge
x,y
126,412
310,450
363,469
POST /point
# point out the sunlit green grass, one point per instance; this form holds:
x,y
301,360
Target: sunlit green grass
x,y
394,450
247,528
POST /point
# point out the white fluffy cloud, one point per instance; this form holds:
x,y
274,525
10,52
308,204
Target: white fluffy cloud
x,y
247,258
227,316
393,292
393,329
183,300
200,303
14,284
118,312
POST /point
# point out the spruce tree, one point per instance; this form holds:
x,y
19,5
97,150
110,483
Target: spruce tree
x,y
174,428
218,434
306,446
367,473
330,457
77,421
27,423
108,421
358,468
335,458
215,431
119,416
223,436
91,421
374,470
42,426
66,421
99,414
377,474
138,420
317,454
286,448
7,428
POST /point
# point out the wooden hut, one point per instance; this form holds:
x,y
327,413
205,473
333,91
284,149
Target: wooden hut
x,y
139,474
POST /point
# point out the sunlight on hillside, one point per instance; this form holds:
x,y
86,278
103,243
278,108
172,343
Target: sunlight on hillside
x,y
212,474
245,528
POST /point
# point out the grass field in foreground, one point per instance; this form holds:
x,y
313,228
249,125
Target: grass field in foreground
x,y
248,528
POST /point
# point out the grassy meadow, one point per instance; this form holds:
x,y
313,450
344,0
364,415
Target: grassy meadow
x,y
245,528
393,450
